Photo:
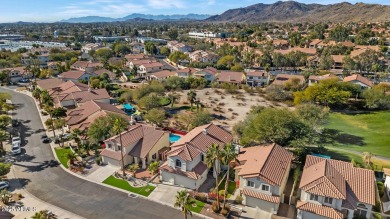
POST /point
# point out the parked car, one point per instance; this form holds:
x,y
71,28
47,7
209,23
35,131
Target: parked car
x,y
16,140
24,80
45,139
16,148
4,185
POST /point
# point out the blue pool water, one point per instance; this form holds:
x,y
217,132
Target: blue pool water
x,y
127,106
174,138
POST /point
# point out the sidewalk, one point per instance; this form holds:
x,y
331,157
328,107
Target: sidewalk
x,y
32,204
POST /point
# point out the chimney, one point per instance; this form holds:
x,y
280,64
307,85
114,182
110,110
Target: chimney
x,y
204,131
132,120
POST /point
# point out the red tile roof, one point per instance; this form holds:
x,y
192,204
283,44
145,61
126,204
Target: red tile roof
x,y
116,155
199,140
262,196
72,74
84,96
319,210
281,79
50,83
340,179
67,87
163,74
144,136
195,173
231,76
271,163
359,78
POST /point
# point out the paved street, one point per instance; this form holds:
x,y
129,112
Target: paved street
x,y
41,175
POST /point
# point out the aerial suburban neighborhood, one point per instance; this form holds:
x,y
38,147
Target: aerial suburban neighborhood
x,y
211,109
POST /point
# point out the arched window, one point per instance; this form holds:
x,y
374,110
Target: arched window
x,y
178,163
361,205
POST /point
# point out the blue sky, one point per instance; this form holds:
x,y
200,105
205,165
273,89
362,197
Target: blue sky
x,y
55,10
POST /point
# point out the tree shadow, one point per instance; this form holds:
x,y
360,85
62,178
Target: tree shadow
x,y
333,136
18,106
40,166
17,184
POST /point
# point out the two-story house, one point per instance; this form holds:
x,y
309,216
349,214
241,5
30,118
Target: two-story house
x,y
315,79
75,75
145,69
141,144
335,189
262,174
209,74
186,72
257,78
185,165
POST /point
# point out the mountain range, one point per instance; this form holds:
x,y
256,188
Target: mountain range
x,y
93,19
291,11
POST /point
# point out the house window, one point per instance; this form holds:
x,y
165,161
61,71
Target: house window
x,y
250,77
119,148
265,188
178,163
202,157
328,200
154,156
314,197
250,183
361,213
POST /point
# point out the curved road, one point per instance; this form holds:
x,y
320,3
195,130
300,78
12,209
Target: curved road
x,y
40,174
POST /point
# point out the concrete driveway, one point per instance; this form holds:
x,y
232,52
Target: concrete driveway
x,y
102,173
165,193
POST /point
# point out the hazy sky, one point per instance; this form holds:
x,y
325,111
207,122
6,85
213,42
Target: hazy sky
x,y
55,10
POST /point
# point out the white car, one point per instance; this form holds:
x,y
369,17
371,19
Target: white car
x,y
16,148
4,185
16,140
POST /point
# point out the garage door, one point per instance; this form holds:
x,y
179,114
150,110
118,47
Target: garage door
x,y
258,203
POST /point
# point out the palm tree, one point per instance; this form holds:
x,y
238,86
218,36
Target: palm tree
x,y
191,97
71,157
119,126
5,196
173,97
76,136
184,202
153,167
133,168
228,155
37,94
46,99
213,156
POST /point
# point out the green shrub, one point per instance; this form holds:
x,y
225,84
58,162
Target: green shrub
x,y
214,207
377,207
224,212
381,189
221,192
238,200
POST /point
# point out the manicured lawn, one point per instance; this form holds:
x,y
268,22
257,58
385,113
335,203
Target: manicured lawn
x,y
359,132
61,155
231,187
198,208
122,184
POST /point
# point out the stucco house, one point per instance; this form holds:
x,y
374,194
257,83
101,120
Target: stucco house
x,y
141,144
359,80
75,75
262,175
257,78
335,189
231,77
185,165
209,74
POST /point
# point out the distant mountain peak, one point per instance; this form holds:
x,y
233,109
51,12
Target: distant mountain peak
x,y
92,19
292,11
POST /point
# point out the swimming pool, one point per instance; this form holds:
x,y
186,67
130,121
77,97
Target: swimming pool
x,y
174,138
128,108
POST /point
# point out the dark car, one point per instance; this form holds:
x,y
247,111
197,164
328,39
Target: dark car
x,y
24,80
45,139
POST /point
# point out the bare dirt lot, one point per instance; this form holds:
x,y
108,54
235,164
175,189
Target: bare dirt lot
x,y
227,108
